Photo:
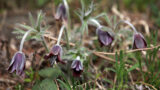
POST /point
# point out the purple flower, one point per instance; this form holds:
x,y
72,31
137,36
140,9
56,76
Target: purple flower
x,y
61,13
17,64
139,41
104,37
55,55
77,68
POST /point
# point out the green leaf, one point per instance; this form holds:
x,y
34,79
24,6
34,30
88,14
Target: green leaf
x,y
41,3
105,17
45,28
26,27
18,31
133,67
108,81
56,2
46,84
27,80
82,5
109,69
83,27
40,17
31,20
50,72
64,84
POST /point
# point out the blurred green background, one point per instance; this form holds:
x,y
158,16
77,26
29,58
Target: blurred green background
x,y
152,7
136,5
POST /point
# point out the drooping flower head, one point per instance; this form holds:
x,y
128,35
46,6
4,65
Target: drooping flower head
x,y
61,13
77,67
104,37
17,64
55,55
139,41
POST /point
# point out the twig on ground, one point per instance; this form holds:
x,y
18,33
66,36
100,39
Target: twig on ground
x,y
7,80
112,60
129,51
55,39
146,84
57,84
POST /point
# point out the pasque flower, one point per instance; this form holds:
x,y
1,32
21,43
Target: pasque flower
x,y
18,61
56,51
61,13
77,67
104,37
18,64
139,41
55,55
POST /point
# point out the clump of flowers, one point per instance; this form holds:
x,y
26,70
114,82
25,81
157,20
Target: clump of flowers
x,y
104,37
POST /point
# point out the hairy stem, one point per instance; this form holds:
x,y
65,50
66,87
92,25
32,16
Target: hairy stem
x,y
60,34
68,15
66,34
44,43
23,39
127,22
97,23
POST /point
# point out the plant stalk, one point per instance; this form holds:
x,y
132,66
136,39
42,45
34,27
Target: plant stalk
x,y
127,22
44,43
66,34
23,39
97,23
67,31
60,34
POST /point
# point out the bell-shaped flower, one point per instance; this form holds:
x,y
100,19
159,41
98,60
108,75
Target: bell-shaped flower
x,y
18,64
55,55
61,13
105,38
139,41
77,67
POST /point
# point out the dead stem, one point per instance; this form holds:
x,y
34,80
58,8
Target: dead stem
x,y
7,80
147,84
129,51
57,84
55,39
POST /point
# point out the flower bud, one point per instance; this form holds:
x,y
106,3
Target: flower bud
x,y
77,68
104,37
18,64
61,13
139,41
55,55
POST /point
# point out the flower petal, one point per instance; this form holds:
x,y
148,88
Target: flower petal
x,y
17,63
139,41
74,64
104,37
56,49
